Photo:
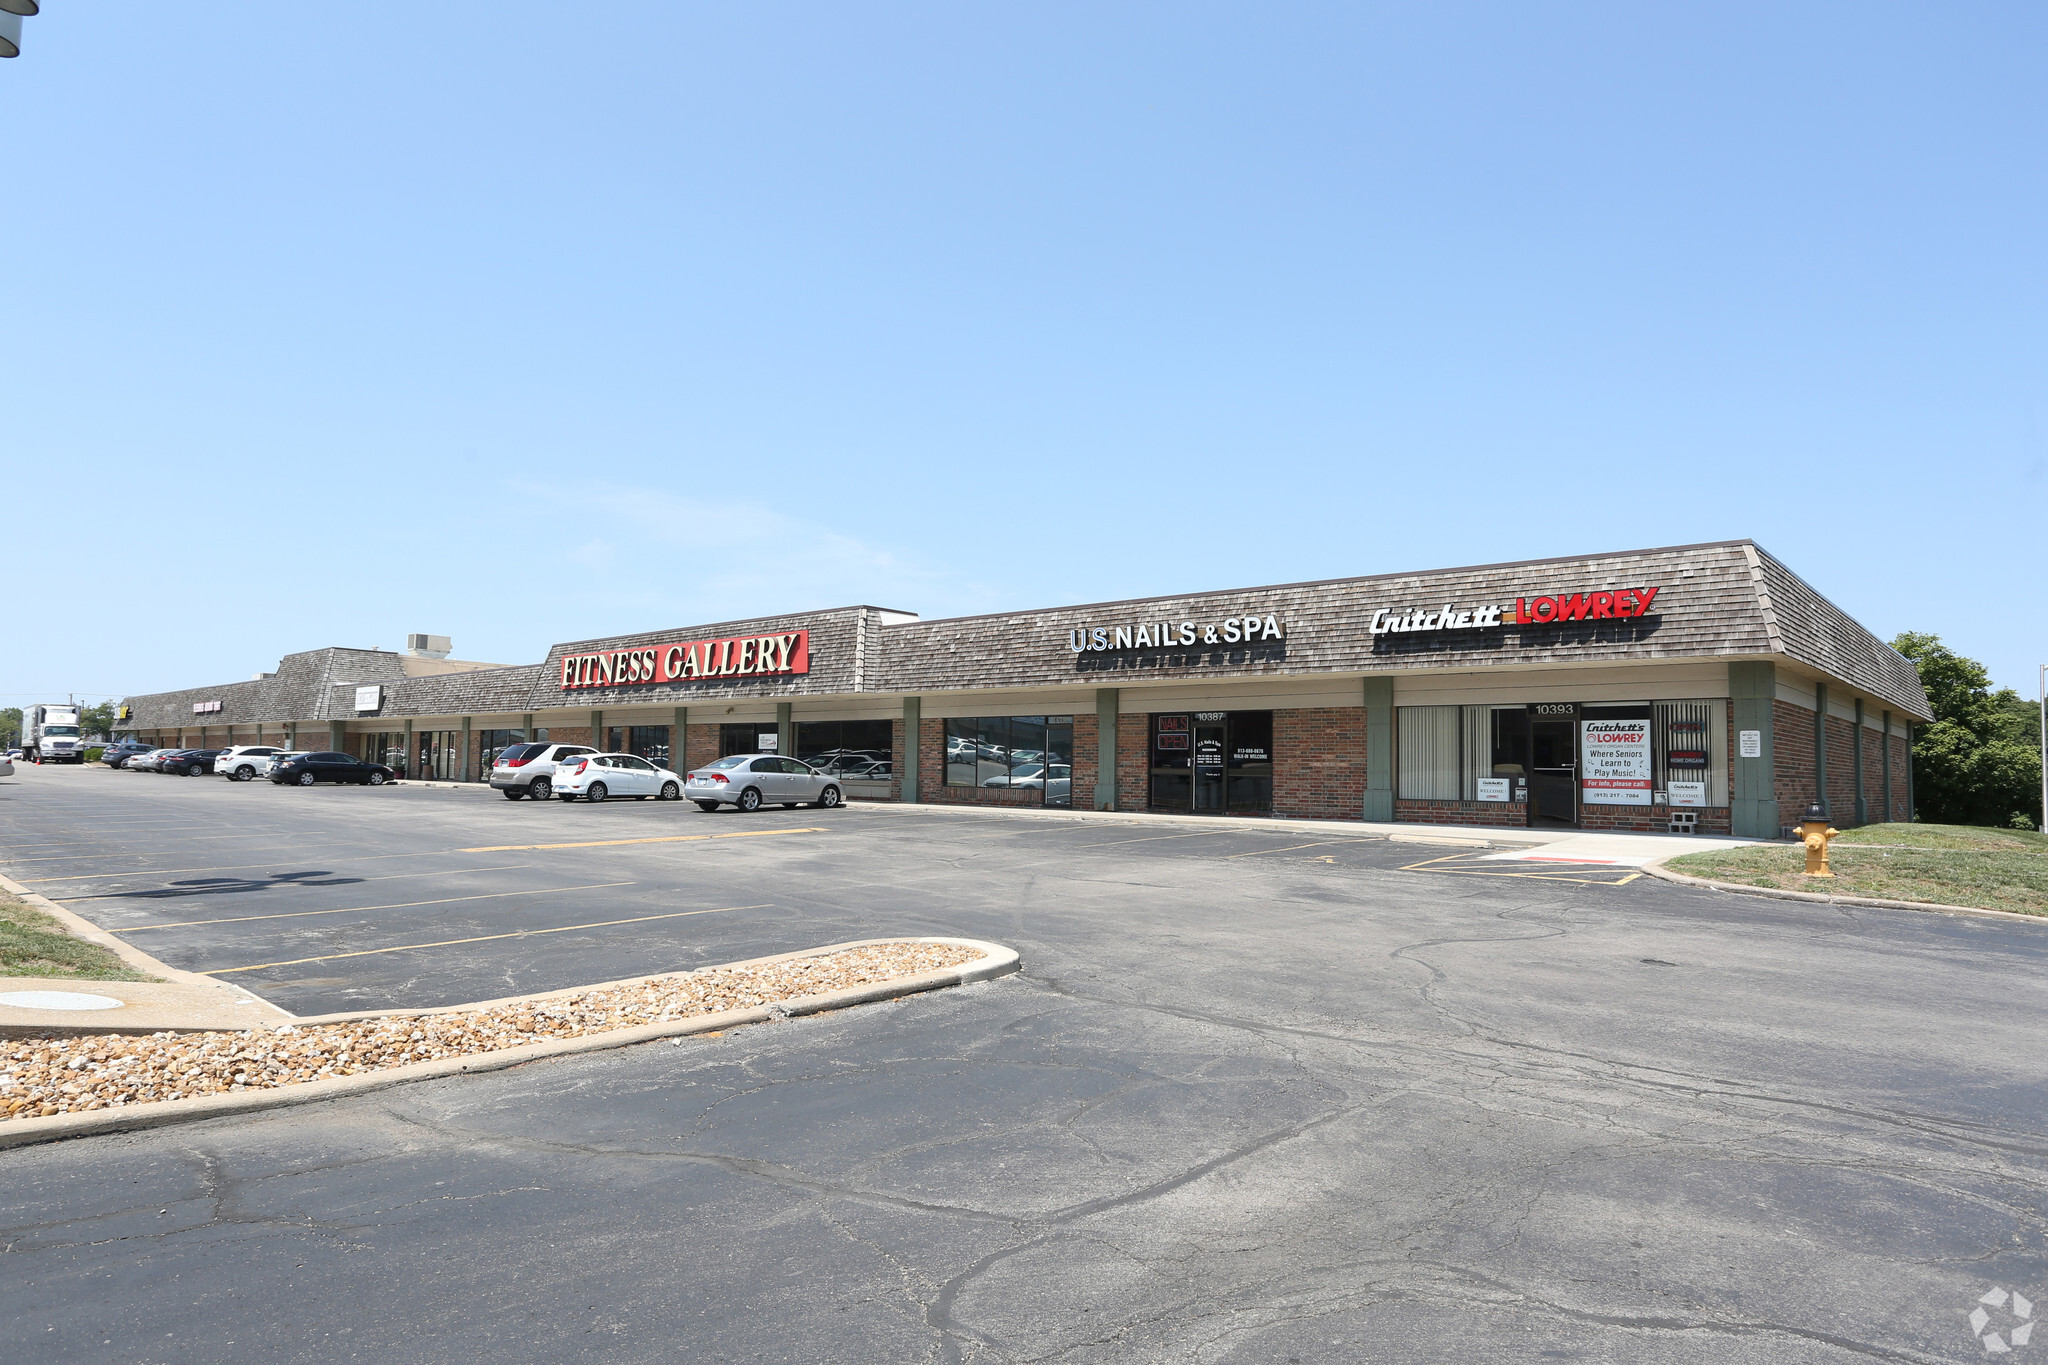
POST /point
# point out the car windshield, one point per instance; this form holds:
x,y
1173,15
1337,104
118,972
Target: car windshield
x,y
731,761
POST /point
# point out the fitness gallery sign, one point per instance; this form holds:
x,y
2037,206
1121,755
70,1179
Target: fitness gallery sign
x,y
739,656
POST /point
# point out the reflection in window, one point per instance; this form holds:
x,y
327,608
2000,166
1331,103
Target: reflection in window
x,y
858,749
1020,753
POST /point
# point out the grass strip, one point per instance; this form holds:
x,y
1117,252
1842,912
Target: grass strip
x,y
34,944
1986,869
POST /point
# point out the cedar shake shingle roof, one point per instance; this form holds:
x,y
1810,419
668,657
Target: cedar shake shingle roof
x,y
1729,599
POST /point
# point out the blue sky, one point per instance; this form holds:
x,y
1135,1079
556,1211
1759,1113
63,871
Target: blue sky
x,y
521,323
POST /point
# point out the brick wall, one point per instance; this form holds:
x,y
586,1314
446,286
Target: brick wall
x,y
1087,758
1902,758
1499,814
700,745
1319,763
1792,751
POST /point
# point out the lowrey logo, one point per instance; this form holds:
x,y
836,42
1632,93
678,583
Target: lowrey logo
x,y
1576,606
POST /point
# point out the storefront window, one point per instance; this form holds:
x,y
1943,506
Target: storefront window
x,y
1692,751
1029,753
492,743
848,748
642,741
1427,749
746,737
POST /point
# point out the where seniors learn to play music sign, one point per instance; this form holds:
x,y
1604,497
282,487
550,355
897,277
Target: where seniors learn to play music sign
x,y
1614,757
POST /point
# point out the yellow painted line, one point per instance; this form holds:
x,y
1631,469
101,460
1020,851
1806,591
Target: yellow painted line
x,y
1325,843
665,839
481,938
402,905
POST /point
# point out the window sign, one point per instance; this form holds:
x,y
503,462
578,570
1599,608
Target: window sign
x,y
767,742
1688,793
1494,788
1614,758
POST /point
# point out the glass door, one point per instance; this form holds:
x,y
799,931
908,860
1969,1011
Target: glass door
x,y
1210,734
1554,764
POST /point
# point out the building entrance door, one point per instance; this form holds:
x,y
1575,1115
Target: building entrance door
x,y
1554,766
1209,736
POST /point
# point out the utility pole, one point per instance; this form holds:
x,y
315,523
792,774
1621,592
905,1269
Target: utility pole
x,y
2044,746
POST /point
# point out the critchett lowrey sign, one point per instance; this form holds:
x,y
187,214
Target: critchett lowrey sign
x,y
1527,611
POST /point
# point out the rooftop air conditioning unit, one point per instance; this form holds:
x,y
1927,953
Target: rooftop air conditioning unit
x,y
428,646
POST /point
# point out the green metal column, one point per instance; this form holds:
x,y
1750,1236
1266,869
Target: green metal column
x,y
1754,689
679,740
785,729
913,734
1887,769
597,731
1820,745
337,734
412,760
1105,747
1379,749
465,747
526,728
1862,806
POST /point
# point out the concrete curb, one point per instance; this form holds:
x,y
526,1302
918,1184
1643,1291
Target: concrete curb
x,y
1474,836
1657,869
995,961
81,928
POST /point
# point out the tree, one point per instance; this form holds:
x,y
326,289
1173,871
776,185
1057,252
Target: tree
x,y
1978,763
10,725
97,720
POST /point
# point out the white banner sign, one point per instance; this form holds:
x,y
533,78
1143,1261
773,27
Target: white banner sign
x,y
1688,793
370,698
1614,762
1493,789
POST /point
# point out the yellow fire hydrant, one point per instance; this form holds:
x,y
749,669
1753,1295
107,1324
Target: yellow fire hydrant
x,y
1814,832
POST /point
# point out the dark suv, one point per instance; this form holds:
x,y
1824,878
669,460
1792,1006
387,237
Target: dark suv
x,y
306,769
191,763
114,755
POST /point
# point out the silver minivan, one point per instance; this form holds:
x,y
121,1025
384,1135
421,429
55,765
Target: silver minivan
x,y
751,781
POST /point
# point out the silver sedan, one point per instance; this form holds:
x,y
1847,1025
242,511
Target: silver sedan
x,y
751,781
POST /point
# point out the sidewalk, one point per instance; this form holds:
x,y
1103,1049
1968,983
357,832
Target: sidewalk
x,y
1563,845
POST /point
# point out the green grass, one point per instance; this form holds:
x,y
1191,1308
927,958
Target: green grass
x,y
1988,869
34,944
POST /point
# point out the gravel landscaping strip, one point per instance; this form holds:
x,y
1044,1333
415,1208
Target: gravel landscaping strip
x,y
40,1077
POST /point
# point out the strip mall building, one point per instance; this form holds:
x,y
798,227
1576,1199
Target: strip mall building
x,y
1701,685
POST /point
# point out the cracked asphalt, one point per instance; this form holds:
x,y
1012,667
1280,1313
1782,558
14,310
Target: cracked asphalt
x,y
1247,1102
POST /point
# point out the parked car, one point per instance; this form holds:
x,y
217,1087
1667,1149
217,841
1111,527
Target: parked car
x,y
529,769
599,777
307,769
117,755
750,781
244,762
6,767
149,762
281,756
191,762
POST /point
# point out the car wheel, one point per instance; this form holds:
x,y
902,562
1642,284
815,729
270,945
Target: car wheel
x,y
829,797
513,793
671,792
707,805
306,779
245,773
192,770
376,779
750,800
596,792
540,789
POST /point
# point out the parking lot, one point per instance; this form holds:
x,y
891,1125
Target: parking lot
x,y
1260,1094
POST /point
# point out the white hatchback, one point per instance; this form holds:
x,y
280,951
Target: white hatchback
x,y
751,781
599,777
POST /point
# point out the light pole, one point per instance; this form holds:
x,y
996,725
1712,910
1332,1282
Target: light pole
x,y
2044,746
10,25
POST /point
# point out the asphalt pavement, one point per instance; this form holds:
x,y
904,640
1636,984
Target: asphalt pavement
x,y
1256,1097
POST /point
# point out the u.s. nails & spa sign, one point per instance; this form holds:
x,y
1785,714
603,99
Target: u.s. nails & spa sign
x,y
737,656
